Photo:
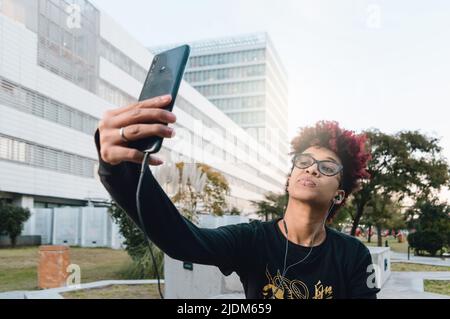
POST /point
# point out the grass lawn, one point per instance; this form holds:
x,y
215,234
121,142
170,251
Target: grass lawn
x,y
392,242
117,292
18,266
417,267
437,286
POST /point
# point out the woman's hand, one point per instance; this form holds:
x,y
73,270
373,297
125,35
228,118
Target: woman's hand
x,y
138,120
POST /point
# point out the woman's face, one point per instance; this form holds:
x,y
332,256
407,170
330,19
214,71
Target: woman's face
x,y
310,185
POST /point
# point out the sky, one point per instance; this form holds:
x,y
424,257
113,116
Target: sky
x,y
364,63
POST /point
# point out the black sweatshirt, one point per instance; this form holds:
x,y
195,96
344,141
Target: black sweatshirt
x,y
337,268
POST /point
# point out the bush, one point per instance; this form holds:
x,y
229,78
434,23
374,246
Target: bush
x,y
137,247
142,267
12,219
427,240
432,223
234,211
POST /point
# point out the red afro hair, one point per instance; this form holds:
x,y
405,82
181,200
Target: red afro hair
x,y
352,150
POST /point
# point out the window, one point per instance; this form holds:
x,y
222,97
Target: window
x,y
64,116
68,52
77,121
51,160
37,156
31,102
68,41
63,162
54,33
119,59
38,106
114,95
51,111
54,12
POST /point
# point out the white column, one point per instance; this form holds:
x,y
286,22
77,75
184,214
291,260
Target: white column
x,y
27,202
24,201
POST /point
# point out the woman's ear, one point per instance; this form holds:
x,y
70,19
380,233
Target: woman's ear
x,y
339,197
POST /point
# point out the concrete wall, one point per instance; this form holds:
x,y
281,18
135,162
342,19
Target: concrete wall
x,y
202,281
381,258
80,226
21,241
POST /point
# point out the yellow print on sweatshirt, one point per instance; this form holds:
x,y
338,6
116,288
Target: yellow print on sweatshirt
x,y
280,287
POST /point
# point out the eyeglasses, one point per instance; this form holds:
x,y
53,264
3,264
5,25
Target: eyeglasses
x,y
328,168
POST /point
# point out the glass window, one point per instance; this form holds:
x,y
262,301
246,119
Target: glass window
x,y
51,159
68,41
38,106
37,156
77,121
4,142
51,111
54,33
63,162
64,116
54,12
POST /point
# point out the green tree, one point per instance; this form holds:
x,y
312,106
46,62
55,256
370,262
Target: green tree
x,y
272,205
430,221
382,212
407,164
199,185
234,211
344,216
215,191
12,219
137,247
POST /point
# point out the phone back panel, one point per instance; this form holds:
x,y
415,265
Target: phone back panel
x,y
164,77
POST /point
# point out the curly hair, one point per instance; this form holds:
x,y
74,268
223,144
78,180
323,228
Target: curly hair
x,y
352,150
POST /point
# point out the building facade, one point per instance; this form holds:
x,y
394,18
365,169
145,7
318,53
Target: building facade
x,y
244,77
63,63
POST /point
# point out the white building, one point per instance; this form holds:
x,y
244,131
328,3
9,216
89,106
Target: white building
x,y
61,67
245,78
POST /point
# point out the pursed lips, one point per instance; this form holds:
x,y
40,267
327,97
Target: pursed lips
x,y
305,181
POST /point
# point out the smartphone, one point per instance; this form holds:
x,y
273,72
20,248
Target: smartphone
x,y
164,77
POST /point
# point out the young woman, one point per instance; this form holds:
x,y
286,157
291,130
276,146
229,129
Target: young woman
x,y
294,257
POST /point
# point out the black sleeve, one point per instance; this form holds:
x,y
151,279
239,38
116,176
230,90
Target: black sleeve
x,y
227,247
362,278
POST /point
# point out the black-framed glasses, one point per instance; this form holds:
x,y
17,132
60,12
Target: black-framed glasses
x,y
326,167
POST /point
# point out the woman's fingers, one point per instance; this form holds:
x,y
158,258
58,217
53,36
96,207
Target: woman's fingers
x,y
139,131
156,102
142,115
139,120
117,154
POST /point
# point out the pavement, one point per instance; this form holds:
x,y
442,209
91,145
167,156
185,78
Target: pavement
x,y
54,293
409,285
435,261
